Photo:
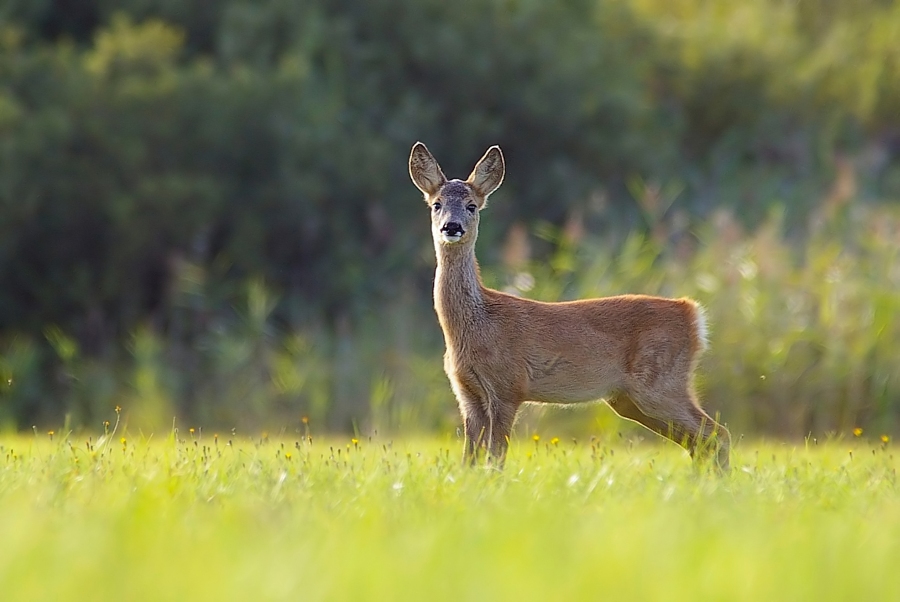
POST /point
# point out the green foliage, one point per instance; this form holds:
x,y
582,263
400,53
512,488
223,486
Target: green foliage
x,y
802,338
158,157
225,517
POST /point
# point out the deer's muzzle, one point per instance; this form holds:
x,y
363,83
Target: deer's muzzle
x,y
452,231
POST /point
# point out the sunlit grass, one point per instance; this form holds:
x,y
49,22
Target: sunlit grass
x,y
213,516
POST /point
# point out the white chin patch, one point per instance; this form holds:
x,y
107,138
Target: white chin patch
x,y
449,238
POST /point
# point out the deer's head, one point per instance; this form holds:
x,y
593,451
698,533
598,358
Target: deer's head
x,y
455,204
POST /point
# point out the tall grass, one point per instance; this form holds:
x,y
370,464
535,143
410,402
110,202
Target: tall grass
x,y
804,338
804,335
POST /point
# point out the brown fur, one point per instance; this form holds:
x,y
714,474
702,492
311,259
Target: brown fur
x,y
636,352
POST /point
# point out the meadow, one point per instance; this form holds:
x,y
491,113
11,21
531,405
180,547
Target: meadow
x,y
217,516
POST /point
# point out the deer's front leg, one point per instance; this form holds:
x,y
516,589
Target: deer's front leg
x,y
477,428
502,418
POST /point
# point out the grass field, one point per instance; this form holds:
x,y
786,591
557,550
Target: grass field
x,y
203,517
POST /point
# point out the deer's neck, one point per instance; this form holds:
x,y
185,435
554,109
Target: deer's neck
x,y
458,292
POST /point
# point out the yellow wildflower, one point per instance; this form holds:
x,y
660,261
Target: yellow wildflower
x,y
536,437
885,439
554,441
857,432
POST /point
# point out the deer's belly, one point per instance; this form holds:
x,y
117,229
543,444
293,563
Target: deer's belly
x,y
568,392
562,381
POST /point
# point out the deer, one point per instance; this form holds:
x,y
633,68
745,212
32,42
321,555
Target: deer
x,y
638,353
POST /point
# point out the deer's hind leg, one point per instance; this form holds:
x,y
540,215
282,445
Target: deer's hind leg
x,y
624,406
678,417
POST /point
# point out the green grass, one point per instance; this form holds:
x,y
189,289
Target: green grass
x,y
208,519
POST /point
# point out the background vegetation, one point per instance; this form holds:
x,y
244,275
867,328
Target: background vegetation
x,y
205,212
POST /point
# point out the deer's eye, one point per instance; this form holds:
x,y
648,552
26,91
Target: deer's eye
x,y
471,207
436,207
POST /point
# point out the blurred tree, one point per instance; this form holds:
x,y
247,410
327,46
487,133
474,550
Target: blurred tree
x,y
157,155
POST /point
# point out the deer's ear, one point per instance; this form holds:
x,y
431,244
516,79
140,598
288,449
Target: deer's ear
x,y
488,173
425,172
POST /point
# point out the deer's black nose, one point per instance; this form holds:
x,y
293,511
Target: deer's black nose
x,y
452,229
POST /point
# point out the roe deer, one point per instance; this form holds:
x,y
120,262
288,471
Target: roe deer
x,y
636,352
